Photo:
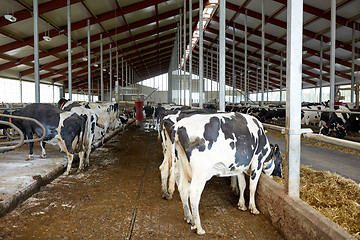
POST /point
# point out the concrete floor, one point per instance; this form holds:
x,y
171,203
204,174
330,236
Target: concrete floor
x,y
323,159
119,196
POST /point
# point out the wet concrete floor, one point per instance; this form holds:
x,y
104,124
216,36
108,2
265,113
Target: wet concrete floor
x,y
119,197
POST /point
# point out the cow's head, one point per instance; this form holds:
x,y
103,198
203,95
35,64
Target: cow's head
x,y
341,132
324,130
273,167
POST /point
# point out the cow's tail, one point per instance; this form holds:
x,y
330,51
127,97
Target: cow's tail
x,y
172,170
184,161
182,166
83,132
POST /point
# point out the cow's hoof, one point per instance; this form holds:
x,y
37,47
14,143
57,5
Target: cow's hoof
x,y
200,232
43,156
30,157
254,211
242,208
166,196
188,219
66,173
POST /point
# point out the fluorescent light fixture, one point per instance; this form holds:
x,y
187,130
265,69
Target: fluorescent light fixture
x,y
10,18
304,52
104,69
84,59
96,65
47,38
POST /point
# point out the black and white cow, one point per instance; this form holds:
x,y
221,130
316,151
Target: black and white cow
x,y
336,119
222,144
311,117
65,129
265,114
352,124
169,118
91,122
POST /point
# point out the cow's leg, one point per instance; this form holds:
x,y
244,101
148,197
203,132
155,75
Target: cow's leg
x,y
31,145
242,186
254,178
43,151
81,161
164,172
70,160
183,188
196,187
233,185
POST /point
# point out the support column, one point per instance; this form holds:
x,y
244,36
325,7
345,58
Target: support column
x,y
20,79
110,71
88,59
69,47
190,54
293,91
184,44
211,74
36,52
321,67
262,52
332,54
201,54
267,80
353,65
101,69
233,66
117,77
126,74
281,75
245,59
222,55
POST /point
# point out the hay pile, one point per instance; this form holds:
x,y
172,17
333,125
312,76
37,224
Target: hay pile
x,y
333,196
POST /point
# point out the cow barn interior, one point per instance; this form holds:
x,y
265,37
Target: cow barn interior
x,y
96,97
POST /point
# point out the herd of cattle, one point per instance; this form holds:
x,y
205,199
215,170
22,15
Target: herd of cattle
x,y
73,126
341,122
197,143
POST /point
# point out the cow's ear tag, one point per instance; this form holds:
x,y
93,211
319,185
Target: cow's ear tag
x,y
357,119
266,131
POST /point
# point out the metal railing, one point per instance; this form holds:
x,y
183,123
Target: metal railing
x,y
21,141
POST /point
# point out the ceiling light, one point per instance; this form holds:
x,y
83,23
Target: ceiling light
x,y
104,69
47,38
304,52
84,59
96,65
10,17
67,50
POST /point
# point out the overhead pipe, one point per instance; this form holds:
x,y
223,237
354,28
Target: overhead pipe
x,y
222,55
180,57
